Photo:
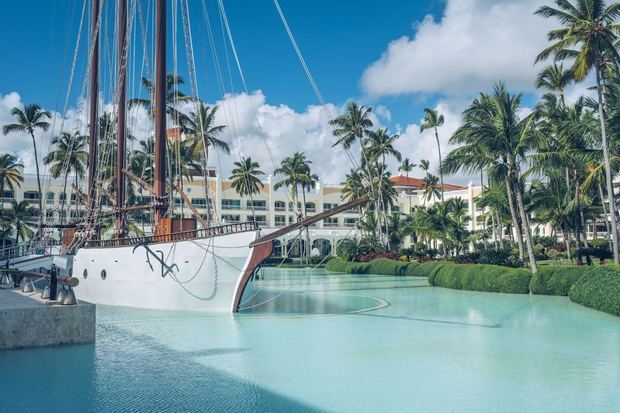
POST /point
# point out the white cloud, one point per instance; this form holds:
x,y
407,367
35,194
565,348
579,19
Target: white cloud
x,y
476,43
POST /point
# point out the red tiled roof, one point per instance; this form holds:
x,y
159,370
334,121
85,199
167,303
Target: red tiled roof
x,y
417,183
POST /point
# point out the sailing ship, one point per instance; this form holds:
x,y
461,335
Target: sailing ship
x,y
180,266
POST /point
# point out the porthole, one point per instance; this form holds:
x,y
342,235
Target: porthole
x,y
103,274
85,273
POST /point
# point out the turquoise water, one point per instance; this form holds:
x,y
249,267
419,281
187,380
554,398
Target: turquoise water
x,y
309,342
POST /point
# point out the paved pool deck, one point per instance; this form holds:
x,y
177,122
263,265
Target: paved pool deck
x,y
27,320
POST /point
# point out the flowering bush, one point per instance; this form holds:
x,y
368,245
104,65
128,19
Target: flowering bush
x,y
374,255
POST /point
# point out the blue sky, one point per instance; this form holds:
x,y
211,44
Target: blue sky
x,y
339,40
397,56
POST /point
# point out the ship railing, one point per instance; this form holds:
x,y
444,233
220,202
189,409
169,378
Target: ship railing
x,y
38,246
175,236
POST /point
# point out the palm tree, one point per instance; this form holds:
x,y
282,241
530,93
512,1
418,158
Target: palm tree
x,y
28,120
353,125
492,126
430,187
69,156
245,177
294,171
200,128
587,37
10,174
20,212
555,79
173,96
407,166
425,165
433,120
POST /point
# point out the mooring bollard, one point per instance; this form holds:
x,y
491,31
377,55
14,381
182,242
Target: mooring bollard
x,y
53,282
60,297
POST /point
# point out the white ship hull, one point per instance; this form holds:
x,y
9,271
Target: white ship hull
x,y
198,275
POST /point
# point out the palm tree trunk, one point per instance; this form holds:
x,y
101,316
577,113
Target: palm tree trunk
x,y
64,200
608,177
602,196
2,194
36,163
577,223
526,224
566,236
500,230
513,215
440,172
305,212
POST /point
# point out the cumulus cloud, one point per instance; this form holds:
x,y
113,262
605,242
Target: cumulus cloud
x,y
474,44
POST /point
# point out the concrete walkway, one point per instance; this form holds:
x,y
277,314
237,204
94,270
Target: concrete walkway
x,y
27,320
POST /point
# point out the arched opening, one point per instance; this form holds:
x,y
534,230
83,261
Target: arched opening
x,y
277,248
296,248
322,245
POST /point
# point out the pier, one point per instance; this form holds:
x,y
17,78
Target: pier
x,y
28,320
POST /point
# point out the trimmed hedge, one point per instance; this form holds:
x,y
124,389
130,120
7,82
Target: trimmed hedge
x,y
600,290
481,277
340,265
428,269
380,266
556,279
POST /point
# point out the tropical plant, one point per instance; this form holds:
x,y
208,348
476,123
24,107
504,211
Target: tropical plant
x,y
433,120
68,156
245,177
10,174
588,37
28,120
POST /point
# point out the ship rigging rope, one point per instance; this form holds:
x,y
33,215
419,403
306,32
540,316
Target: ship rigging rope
x,y
226,26
324,105
66,162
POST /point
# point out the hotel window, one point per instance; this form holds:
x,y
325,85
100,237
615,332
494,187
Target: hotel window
x,y
330,222
280,220
310,207
8,195
199,202
231,204
261,220
290,206
329,206
62,197
50,198
73,198
31,196
49,215
258,205
350,222
279,206
231,218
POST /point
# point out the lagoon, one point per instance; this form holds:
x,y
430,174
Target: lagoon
x,y
308,341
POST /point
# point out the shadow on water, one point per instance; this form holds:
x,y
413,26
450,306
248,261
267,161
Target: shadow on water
x,y
128,372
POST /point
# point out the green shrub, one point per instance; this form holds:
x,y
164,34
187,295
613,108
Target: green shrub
x,y
600,290
385,266
556,279
410,270
381,266
481,277
336,265
599,243
427,268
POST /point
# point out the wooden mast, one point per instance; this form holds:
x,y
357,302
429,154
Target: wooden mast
x,y
160,198
119,224
93,113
